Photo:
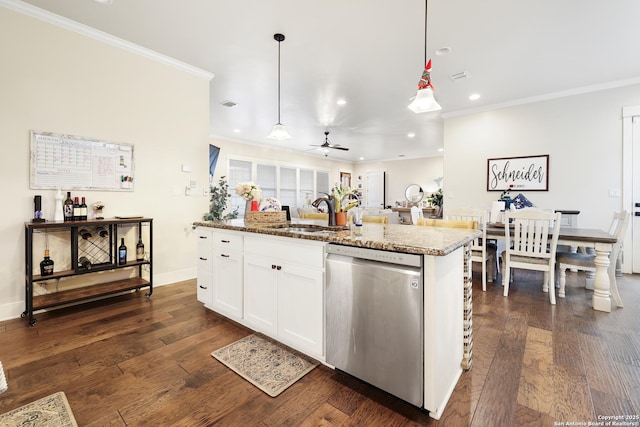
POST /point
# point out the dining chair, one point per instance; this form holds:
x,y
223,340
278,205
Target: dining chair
x,y
482,251
531,237
416,213
314,215
587,261
380,219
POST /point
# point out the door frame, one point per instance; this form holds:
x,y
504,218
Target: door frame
x,y
628,113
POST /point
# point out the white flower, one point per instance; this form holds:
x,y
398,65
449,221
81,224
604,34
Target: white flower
x,y
249,190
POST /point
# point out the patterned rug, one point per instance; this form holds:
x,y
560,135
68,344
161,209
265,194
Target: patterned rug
x,y
268,365
50,411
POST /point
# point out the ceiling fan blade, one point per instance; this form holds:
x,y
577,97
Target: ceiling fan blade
x,y
335,147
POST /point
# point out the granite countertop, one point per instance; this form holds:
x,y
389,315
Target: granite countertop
x,y
390,237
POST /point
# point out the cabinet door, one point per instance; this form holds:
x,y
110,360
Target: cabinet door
x,y
204,265
301,308
260,294
227,283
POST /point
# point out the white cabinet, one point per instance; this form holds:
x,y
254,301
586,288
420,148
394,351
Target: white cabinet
x,y
219,271
204,238
260,294
284,291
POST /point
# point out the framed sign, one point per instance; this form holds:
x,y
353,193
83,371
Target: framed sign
x,y
530,173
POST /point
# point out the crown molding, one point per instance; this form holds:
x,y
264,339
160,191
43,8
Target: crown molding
x,y
85,30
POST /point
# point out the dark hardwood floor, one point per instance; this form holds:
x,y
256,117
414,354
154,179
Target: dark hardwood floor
x,y
133,361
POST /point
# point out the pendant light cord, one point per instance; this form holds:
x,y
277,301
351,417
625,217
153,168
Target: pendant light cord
x,y
426,8
279,41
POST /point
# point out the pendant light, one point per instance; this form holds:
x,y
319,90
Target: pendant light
x,y
424,100
279,132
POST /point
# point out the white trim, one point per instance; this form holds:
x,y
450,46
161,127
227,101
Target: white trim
x,y
85,30
628,114
545,97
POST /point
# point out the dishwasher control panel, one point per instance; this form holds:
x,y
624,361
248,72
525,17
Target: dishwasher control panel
x,y
376,255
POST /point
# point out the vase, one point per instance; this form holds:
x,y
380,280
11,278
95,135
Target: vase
x,y
247,207
341,218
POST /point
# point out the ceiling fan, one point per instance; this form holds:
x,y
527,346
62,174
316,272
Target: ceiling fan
x,y
327,145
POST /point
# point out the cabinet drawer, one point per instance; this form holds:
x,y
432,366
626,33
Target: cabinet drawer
x,y
227,240
204,240
290,250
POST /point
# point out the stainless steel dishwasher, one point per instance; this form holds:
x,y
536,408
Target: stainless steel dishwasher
x,y
375,318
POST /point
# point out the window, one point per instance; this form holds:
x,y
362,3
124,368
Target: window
x,y
266,179
288,187
239,171
306,187
322,183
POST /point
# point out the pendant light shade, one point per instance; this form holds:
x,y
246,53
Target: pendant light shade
x,y
424,100
279,131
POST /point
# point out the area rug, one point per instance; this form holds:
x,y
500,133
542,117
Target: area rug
x,y
50,411
268,365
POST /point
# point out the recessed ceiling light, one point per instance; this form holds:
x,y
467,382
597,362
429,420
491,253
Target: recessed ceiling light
x,y
400,155
443,51
474,96
361,158
341,102
236,130
411,135
104,1
441,149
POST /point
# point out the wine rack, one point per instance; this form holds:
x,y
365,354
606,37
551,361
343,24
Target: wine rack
x,y
98,253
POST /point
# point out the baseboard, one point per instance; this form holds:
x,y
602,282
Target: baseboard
x,y
11,310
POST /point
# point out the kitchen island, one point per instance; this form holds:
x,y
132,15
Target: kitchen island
x,y
271,278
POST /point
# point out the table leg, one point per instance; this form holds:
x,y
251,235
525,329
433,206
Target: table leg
x,y
601,296
467,323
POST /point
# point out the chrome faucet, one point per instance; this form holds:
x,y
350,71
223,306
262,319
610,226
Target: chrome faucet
x,y
330,207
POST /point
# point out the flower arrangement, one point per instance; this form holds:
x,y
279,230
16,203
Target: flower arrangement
x,y
249,191
98,206
436,198
342,194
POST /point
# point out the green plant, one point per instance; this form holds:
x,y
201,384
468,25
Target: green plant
x,y
219,197
436,198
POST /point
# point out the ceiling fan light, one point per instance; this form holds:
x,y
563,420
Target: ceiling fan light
x,y
424,102
279,132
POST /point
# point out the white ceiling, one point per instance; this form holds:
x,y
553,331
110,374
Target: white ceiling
x,y
370,53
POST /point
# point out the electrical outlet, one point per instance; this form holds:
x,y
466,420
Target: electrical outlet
x,y
615,193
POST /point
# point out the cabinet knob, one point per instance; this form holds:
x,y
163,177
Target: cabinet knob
x,y
203,237
225,241
203,259
224,255
279,267
202,287
273,266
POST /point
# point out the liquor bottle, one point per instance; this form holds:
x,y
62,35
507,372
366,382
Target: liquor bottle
x,y
46,265
83,209
85,234
140,249
102,232
68,208
122,253
77,216
84,263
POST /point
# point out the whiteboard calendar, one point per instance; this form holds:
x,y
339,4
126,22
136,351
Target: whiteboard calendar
x,y
78,163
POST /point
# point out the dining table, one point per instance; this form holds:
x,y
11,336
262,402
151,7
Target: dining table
x,y
601,241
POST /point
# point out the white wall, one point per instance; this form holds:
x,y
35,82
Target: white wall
x,y
582,135
56,80
401,173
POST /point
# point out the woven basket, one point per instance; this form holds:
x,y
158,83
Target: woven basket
x,y
253,217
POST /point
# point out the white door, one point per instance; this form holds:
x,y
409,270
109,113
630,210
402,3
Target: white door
x,y
635,199
375,189
260,294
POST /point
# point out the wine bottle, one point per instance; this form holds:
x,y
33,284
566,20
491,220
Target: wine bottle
x,y
102,232
68,208
76,210
46,265
84,263
85,234
122,253
83,209
140,250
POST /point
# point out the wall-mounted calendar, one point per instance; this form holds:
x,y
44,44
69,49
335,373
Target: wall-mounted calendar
x,y
78,163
